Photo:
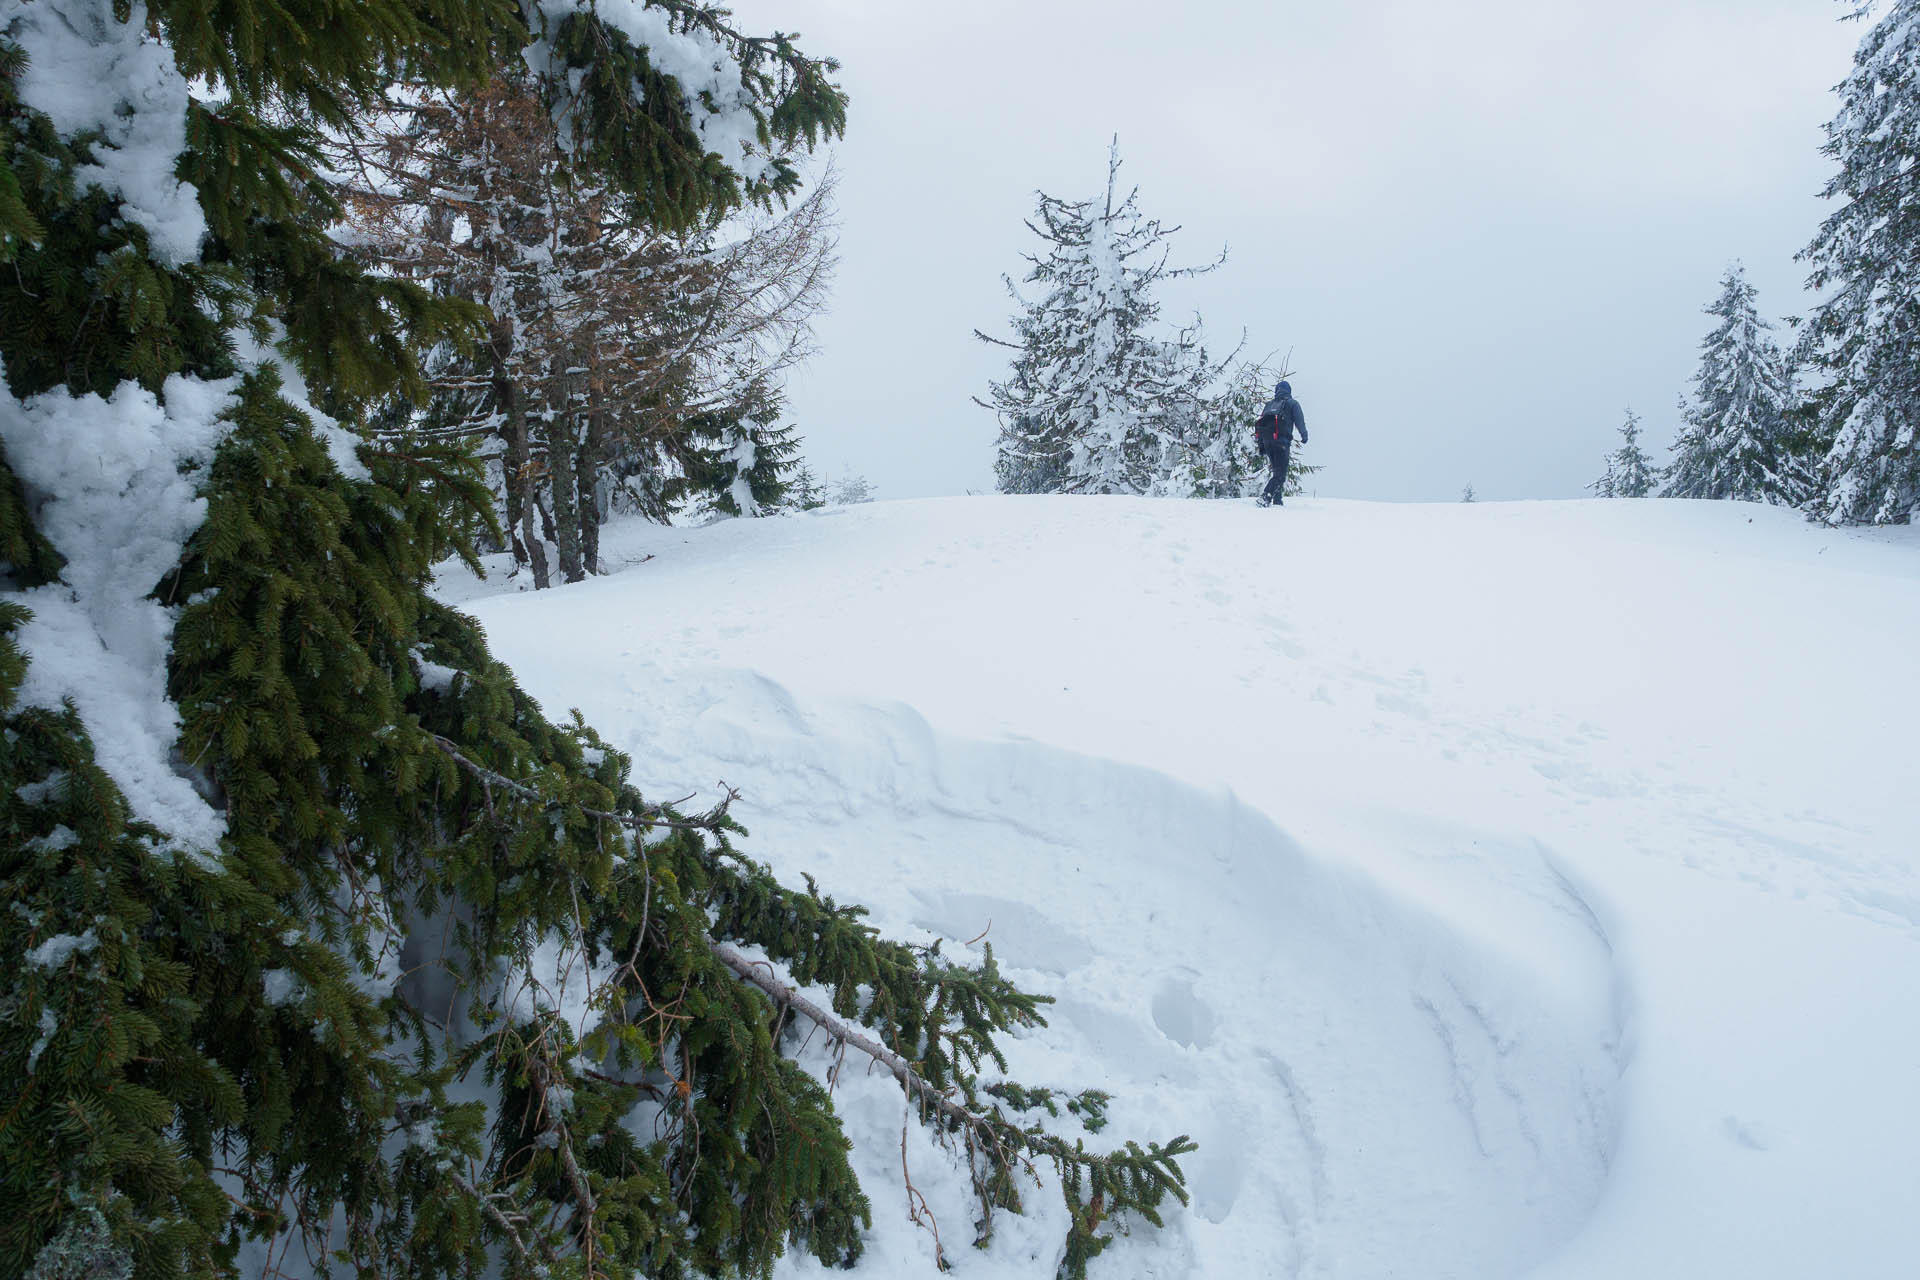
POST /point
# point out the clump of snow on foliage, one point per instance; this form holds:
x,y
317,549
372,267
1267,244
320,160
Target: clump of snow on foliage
x,y
58,840
60,948
434,677
91,73
281,986
744,457
718,101
114,483
33,794
49,1027
343,446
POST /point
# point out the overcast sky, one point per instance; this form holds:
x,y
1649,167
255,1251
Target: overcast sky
x,y
1482,227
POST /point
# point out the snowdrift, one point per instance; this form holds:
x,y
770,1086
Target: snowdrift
x,y
1491,890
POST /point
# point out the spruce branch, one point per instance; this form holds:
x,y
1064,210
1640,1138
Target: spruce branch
x,y
917,1203
1095,1186
650,818
498,1216
760,974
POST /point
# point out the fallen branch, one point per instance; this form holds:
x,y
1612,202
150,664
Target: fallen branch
x,y
760,974
500,1219
1096,1185
917,1203
648,819
1140,1175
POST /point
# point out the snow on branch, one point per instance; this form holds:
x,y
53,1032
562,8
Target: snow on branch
x,y
92,74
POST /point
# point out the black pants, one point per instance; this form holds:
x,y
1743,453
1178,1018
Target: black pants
x,y
1280,457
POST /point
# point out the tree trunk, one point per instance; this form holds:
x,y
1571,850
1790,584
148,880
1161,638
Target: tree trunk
x,y
561,456
540,505
512,463
518,480
563,453
592,450
523,492
529,486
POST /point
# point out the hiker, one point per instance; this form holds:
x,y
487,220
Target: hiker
x,y
1281,417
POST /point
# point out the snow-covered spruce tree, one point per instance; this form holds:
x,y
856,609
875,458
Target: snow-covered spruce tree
x,y
1735,441
1865,338
321,943
1630,472
1100,399
850,489
803,490
733,464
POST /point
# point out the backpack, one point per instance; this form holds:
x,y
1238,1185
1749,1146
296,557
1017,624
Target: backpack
x,y
1274,425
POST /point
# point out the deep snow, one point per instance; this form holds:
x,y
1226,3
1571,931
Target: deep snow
x,y
1491,890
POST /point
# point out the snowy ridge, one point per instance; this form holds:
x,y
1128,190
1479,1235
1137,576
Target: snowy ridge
x,y
1491,890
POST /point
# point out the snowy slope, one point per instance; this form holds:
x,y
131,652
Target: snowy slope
x,y
1492,890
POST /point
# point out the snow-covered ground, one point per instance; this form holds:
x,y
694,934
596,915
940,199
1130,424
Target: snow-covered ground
x,y
1491,890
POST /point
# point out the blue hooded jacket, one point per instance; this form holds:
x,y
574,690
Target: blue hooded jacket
x,y
1279,419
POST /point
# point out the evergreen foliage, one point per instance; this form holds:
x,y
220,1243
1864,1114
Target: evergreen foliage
x,y
733,465
1865,337
1099,399
1735,441
849,489
626,90
1630,472
804,491
628,361
433,990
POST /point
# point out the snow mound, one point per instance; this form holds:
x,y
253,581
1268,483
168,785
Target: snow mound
x,y
1491,890
1371,1088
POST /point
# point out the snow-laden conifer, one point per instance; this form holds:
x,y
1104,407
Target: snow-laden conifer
x,y
1102,398
804,492
323,946
1865,337
850,489
1735,441
1630,472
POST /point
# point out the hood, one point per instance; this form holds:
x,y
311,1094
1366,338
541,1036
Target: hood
x,y
1283,392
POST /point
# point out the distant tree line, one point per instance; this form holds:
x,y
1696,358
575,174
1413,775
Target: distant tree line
x,y
1831,423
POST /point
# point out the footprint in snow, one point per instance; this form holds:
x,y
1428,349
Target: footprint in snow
x,y
1182,1016
1747,1133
